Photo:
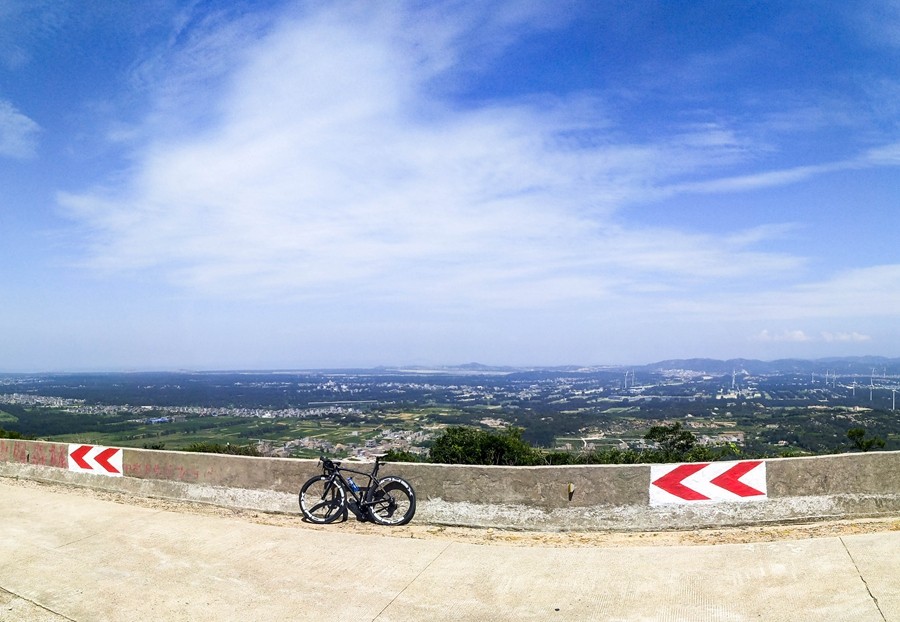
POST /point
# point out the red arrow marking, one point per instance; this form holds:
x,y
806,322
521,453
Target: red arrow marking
x,y
78,457
671,482
103,460
730,480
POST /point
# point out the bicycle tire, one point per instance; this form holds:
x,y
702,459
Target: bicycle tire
x,y
322,500
392,501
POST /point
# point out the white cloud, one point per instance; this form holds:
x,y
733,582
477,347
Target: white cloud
x,y
21,21
759,180
784,335
888,155
871,292
327,162
864,292
18,133
328,167
885,155
878,20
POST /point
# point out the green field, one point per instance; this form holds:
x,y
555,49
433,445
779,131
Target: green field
x,y
234,430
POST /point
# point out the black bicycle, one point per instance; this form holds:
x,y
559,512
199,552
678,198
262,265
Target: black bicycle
x,y
387,500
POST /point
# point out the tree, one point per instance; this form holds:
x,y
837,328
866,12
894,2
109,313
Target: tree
x,y
400,455
465,445
11,434
673,442
858,436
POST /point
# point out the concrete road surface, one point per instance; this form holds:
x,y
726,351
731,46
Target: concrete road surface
x,y
71,557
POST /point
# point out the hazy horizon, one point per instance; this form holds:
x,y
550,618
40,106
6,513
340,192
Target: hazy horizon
x,y
437,367
293,184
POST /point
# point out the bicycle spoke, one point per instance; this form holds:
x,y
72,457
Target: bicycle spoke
x,y
321,500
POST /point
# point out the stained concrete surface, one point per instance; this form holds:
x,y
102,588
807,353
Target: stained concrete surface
x,y
604,497
70,557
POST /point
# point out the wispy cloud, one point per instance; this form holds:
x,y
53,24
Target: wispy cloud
x,y
871,292
885,155
785,335
757,181
879,20
18,133
325,157
864,292
23,23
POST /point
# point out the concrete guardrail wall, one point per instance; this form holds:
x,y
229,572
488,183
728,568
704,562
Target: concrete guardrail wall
x,y
604,497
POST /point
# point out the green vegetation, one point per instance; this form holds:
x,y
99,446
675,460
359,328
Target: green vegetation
x,y
153,430
9,434
858,436
562,416
464,445
398,455
669,443
227,448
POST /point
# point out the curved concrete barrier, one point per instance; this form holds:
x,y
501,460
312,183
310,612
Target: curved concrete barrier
x,y
592,497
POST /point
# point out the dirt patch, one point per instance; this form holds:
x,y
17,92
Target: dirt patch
x,y
711,536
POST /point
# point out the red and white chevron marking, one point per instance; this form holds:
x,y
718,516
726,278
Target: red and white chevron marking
x,y
95,459
700,482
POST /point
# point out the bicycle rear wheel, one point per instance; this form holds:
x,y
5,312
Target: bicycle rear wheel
x,y
322,500
392,501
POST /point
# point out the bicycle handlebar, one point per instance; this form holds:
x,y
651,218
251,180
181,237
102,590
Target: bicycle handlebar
x,y
330,466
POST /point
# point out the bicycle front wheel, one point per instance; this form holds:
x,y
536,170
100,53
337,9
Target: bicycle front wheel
x,y
322,500
392,501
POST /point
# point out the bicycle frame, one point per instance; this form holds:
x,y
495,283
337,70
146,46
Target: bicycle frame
x,y
358,496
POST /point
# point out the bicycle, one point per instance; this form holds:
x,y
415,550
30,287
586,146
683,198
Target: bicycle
x,y
386,501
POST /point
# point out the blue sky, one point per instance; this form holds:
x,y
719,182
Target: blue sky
x,y
222,185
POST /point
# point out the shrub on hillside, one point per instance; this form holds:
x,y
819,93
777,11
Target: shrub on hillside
x,y
670,443
607,455
860,442
227,448
398,455
464,445
11,434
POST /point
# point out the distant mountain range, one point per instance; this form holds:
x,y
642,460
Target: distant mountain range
x,y
862,365
837,365
879,366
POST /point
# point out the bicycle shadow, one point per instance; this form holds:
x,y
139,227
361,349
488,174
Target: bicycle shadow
x,y
351,507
